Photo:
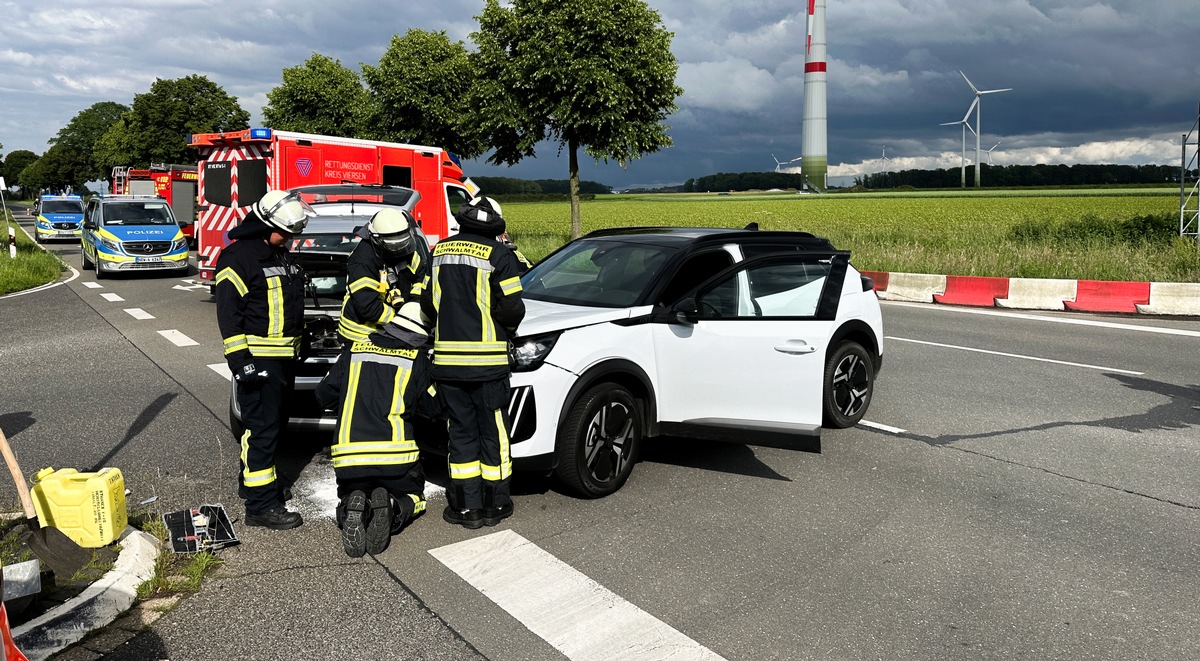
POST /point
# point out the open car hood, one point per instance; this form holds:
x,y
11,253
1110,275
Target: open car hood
x,y
545,317
325,277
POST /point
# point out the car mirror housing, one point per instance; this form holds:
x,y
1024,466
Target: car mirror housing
x,y
686,311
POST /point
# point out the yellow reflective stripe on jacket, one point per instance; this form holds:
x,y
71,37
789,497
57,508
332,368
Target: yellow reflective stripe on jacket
x,y
470,361
236,343
472,347
510,286
388,459
359,332
483,299
227,274
376,447
365,283
272,347
274,305
418,503
464,471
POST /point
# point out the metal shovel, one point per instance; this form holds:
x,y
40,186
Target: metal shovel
x,y
60,553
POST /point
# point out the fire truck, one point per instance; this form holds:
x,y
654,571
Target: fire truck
x,y
174,183
239,167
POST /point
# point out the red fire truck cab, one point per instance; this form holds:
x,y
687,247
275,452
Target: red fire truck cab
x,y
236,168
174,183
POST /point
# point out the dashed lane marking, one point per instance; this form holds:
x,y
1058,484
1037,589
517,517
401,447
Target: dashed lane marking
x,y
578,616
138,313
111,297
1016,355
178,339
222,369
93,285
887,428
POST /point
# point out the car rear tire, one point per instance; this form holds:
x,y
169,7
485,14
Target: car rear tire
x,y
849,384
599,442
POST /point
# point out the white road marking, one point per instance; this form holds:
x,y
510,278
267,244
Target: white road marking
x,y
93,285
1056,320
178,339
138,313
1015,355
886,428
222,369
191,286
109,296
578,616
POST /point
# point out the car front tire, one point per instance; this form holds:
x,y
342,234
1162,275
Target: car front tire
x,y
599,442
84,262
849,384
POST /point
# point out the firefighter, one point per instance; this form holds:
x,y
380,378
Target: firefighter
x,y
474,296
377,388
381,275
260,312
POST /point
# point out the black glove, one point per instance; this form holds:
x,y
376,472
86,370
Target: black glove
x,y
250,377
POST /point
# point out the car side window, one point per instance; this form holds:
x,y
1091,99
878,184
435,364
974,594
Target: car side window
x,y
774,289
695,270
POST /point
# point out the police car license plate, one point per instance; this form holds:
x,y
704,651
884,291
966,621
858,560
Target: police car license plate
x,y
148,259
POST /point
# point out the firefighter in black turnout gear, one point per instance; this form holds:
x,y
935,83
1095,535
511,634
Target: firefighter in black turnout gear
x,y
474,297
260,312
383,272
377,389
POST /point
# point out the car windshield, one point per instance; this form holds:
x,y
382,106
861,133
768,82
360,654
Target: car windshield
x,y
62,206
138,213
596,272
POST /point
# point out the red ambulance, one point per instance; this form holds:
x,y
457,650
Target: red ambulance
x,y
236,168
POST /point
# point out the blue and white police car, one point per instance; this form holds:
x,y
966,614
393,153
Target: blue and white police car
x,y
123,233
58,217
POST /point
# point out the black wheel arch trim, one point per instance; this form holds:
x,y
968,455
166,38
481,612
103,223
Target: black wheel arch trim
x,y
626,371
857,330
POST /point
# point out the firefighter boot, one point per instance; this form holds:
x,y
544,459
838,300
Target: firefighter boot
x,y
354,534
276,518
491,513
379,525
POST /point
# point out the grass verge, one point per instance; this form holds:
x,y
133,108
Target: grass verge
x,y
32,266
173,573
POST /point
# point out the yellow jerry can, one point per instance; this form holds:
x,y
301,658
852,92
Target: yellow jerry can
x,y
87,507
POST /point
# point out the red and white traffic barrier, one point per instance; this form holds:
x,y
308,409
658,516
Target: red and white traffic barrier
x,y
1168,298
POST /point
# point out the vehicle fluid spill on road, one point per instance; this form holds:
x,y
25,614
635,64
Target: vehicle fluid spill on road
x,y
314,494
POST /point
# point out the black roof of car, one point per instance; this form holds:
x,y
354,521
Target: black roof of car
x,y
681,236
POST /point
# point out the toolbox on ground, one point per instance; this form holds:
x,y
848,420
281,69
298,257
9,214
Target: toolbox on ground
x,y
204,528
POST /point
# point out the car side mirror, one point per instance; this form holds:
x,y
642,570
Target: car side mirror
x,y
89,225
686,311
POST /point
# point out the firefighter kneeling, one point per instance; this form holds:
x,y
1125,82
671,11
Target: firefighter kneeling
x,y
377,388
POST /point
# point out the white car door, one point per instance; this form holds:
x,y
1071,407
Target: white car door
x,y
752,354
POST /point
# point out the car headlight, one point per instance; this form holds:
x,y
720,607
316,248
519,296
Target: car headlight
x,y
528,353
178,244
114,246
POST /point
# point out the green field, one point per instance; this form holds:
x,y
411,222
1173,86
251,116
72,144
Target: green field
x,y
1096,234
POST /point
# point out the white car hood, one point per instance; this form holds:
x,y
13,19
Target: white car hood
x,y
544,317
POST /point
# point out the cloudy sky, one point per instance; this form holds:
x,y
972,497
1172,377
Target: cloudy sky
x,y
1094,81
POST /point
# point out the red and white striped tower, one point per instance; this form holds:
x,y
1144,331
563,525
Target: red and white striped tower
x,y
814,152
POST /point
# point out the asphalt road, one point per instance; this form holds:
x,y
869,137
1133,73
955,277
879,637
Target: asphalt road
x,y
1027,487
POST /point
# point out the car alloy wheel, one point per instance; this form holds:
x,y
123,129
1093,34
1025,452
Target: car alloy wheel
x,y
849,382
599,442
85,263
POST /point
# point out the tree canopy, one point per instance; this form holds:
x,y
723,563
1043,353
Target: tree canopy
x,y
591,74
155,128
79,138
418,93
14,164
320,96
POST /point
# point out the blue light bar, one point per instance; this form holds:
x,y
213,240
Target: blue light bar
x,y
260,134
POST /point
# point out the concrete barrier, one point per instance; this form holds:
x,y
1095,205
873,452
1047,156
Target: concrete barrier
x,y
1172,298
1038,294
972,290
1109,296
918,287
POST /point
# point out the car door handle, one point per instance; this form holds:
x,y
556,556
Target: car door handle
x,y
795,347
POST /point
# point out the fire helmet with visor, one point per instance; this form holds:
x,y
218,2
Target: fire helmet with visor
x,y
391,232
284,211
481,215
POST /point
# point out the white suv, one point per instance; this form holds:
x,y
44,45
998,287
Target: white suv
x,y
697,332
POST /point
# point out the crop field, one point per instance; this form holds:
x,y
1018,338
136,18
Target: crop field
x,y
1097,234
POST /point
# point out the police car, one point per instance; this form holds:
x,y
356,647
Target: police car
x,y
58,217
126,233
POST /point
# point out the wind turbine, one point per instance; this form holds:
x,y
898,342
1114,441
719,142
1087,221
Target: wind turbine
x,y
978,111
814,163
966,124
989,152
887,162
779,164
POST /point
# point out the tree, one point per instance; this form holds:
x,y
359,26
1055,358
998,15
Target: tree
x,y
14,164
418,93
321,96
81,135
597,74
156,127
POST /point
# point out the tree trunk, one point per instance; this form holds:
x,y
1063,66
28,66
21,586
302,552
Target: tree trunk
x,y
576,223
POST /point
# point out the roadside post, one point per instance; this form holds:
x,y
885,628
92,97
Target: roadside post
x,y
12,234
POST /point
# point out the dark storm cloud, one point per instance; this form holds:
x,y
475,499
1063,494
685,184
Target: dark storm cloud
x,y
1092,81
